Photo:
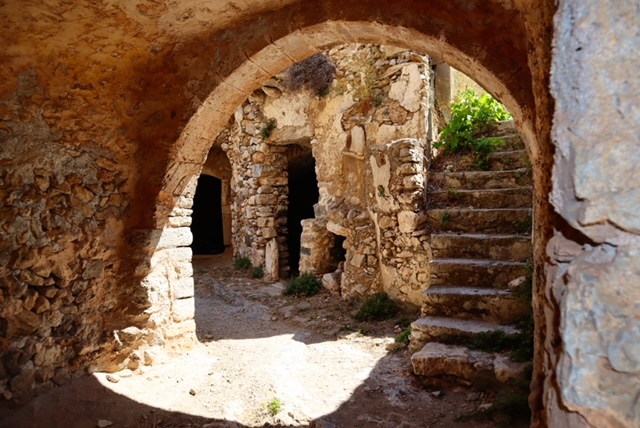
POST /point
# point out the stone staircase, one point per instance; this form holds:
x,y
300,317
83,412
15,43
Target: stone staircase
x,y
481,225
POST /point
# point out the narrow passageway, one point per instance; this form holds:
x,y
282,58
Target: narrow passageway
x,y
256,348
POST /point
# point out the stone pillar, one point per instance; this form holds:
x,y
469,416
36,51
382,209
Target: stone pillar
x,y
397,201
444,89
315,246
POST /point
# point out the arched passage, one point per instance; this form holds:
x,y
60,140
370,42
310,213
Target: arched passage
x,y
105,91
500,63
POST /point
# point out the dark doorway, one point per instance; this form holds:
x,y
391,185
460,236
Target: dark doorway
x,y
206,225
303,194
338,253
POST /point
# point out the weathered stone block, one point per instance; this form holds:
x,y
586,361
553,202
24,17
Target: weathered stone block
x,y
183,287
174,237
183,309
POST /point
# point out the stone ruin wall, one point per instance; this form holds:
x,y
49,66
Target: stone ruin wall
x,y
60,251
371,188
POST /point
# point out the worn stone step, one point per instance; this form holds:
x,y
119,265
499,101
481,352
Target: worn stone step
x,y
432,329
484,304
508,160
501,220
481,246
472,180
442,360
486,198
476,273
470,367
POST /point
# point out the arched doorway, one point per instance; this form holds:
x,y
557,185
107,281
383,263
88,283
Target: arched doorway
x,y
496,75
206,225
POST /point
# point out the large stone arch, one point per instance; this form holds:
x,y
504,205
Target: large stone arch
x,y
490,43
95,95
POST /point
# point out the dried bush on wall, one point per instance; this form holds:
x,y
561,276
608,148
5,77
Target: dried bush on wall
x,y
315,73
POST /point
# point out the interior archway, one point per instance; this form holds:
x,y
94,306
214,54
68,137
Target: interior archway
x,y
501,66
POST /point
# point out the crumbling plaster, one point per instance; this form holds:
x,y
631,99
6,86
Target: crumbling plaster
x,y
372,187
122,100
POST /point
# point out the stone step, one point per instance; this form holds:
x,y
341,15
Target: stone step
x,y
481,246
475,273
432,329
473,180
508,160
502,220
469,367
486,198
485,304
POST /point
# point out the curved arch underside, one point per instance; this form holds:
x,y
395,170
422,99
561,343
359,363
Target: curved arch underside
x,y
485,40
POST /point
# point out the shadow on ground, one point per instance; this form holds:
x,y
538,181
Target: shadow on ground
x,y
388,397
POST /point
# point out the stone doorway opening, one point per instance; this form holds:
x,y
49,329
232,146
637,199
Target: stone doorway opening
x,y
337,253
303,195
206,220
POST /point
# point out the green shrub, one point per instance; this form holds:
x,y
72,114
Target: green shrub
x,y
377,307
304,285
242,263
257,272
404,337
472,118
274,407
268,129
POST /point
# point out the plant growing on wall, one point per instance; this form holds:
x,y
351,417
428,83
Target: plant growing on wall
x,y
472,120
268,129
315,73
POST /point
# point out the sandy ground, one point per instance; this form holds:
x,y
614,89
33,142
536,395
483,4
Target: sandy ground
x,y
257,347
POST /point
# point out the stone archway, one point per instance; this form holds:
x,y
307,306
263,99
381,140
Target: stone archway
x,y
493,68
108,111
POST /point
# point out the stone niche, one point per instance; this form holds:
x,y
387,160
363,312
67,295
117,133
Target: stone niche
x,y
369,134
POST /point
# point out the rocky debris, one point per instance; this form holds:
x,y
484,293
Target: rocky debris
x,y
113,378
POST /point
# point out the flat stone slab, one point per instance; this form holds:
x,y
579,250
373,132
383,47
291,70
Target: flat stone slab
x,y
475,273
481,246
499,220
473,367
438,359
520,197
431,328
483,179
486,304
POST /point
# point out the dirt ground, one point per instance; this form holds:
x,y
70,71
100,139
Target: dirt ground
x,y
263,359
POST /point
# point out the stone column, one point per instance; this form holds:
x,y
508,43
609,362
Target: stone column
x,y
398,202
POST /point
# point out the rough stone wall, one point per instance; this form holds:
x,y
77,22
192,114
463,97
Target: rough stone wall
x,y
259,187
397,202
59,251
379,94
592,340
146,85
